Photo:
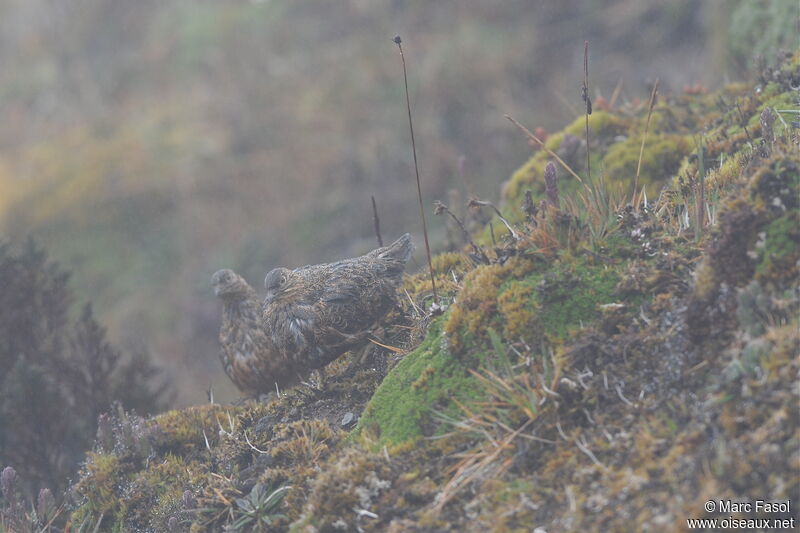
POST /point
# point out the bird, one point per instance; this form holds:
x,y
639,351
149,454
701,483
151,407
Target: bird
x,y
246,351
316,313
310,316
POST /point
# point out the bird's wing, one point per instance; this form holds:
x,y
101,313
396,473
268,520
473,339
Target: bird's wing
x,y
340,304
355,300
291,326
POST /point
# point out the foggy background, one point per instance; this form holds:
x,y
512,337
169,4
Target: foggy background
x,y
147,144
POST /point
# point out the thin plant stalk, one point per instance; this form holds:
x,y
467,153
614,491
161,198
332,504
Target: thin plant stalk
x,y
700,193
551,153
439,208
474,202
588,102
644,139
399,44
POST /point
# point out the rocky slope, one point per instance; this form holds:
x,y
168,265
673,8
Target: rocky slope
x,y
611,364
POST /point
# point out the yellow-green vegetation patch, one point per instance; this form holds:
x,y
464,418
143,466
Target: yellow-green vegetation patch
x,y
426,381
356,480
477,305
153,495
531,305
601,123
511,298
661,158
779,252
529,175
117,491
570,145
186,430
517,306
569,296
98,487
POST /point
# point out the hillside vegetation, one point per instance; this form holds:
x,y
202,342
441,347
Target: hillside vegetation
x,y
611,362
147,144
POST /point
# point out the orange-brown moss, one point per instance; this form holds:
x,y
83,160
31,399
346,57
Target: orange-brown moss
x,y
477,302
519,312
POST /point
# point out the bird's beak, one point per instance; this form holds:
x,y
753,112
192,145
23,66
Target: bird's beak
x,y
269,296
216,290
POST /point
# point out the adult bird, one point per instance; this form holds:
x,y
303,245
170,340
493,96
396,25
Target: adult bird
x,y
311,315
246,351
314,314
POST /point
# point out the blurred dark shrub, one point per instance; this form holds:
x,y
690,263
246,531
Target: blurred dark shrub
x,y
58,372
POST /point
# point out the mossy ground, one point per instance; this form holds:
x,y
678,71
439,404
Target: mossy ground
x,y
424,382
609,381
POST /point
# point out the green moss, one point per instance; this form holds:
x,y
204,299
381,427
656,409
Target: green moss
x,y
729,169
569,295
427,380
477,306
357,479
661,158
448,261
121,492
527,176
603,128
526,303
153,495
523,303
98,491
601,124
780,251
181,431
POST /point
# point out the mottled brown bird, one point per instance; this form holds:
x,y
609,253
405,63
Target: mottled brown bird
x,y
314,314
311,315
246,351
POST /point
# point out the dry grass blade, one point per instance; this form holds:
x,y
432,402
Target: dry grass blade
x,y
644,139
391,348
246,438
472,465
511,402
518,394
99,521
700,193
551,153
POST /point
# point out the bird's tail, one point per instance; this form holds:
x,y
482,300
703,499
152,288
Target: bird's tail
x,y
400,250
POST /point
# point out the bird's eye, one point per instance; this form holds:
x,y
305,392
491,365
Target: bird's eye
x,y
282,280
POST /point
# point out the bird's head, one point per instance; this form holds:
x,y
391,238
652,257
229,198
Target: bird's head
x,y
277,281
229,284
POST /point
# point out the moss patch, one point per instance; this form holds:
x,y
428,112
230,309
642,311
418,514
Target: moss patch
x,y
426,381
571,295
779,252
661,158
